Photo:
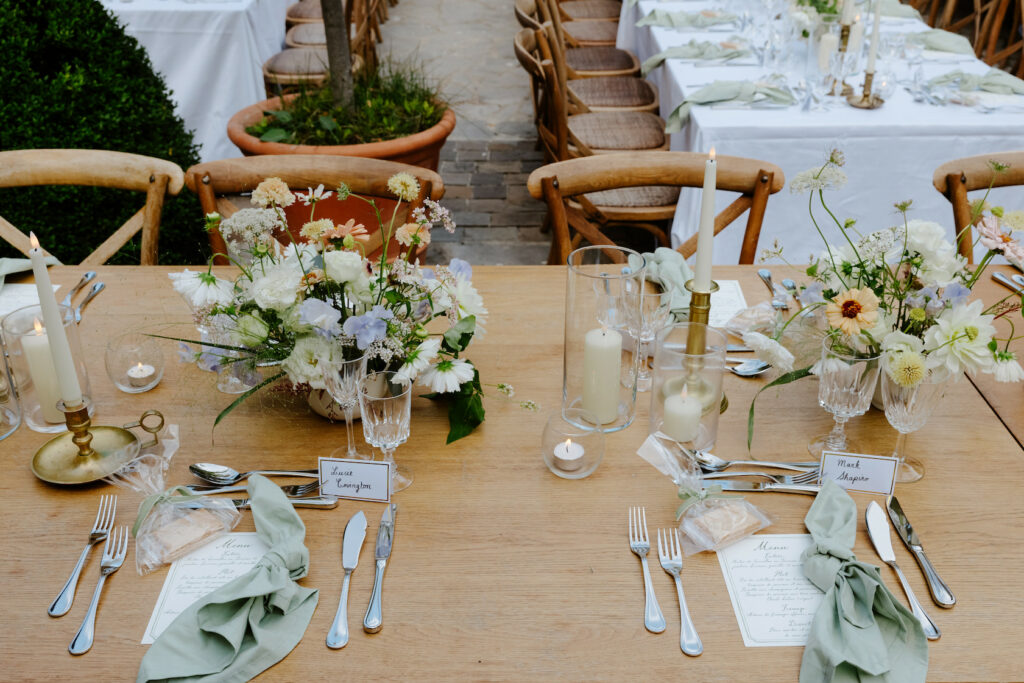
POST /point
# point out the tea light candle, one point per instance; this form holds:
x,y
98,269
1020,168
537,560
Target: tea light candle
x,y
140,375
36,348
569,456
682,417
602,366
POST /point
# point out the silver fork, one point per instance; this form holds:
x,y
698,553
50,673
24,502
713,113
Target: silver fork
x,y
114,552
810,477
671,556
292,490
100,528
640,544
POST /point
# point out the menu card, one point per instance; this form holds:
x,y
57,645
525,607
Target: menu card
x,y
726,302
201,572
17,296
773,600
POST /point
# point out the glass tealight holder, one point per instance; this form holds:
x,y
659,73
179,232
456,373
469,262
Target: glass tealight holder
x,y
135,362
572,451
599,371
686,396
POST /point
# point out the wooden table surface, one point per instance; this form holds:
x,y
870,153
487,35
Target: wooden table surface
x,y
500,569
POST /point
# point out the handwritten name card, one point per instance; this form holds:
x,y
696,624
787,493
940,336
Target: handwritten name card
x,y
858,472
773,600
356,479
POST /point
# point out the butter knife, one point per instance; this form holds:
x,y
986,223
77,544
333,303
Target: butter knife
x,y
766,486
374,618
355,534
878,532
320,502
941,595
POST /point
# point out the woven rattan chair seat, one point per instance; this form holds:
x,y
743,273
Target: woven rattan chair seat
x,y
592,9
306,35
305,10
598,59
590,31
650,195
627,130
612,91
298,61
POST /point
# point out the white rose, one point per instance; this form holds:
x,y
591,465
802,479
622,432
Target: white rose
x,y
277,289
343,266
251,330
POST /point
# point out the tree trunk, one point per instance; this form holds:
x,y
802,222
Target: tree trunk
x,y
339,54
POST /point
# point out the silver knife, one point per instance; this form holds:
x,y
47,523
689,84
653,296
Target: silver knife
x,y
355,534
941,595
766,486
319,502
374,618
878,532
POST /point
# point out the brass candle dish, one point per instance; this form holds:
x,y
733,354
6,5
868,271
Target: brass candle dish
x,y
866,99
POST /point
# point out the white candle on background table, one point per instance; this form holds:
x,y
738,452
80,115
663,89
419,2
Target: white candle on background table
x,y
36,349
139,375
681,419
63,363
873,50
569,456
828,44
702,271
849,7
856,40
602,365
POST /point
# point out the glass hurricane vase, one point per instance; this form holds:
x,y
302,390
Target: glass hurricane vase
x,y
846,383
907,409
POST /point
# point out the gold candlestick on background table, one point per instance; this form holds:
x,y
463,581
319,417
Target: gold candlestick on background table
x,y
865,100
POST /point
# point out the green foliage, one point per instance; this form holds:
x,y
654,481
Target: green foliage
x,y
465,408
73,79
777,382
821,6
391,103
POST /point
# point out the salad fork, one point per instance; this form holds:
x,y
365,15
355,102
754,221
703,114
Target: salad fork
x,y
114,552
291,490
671,556
100,528
640,544
809,477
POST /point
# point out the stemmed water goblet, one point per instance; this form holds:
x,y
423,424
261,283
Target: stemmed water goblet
x,y
846,383
385,401
341,378
907,408
644,323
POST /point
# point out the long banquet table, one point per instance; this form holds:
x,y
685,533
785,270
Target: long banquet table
x,y
501,570
890,152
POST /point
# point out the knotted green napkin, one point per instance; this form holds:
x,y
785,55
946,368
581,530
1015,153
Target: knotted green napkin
x,y
725,91
995,80
895,8
667,268
10,266
860,632
660,17
692,50
248,625
942,41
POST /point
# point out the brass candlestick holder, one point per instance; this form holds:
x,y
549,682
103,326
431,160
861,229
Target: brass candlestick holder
x,y
88,452
866,100
696,344
844,42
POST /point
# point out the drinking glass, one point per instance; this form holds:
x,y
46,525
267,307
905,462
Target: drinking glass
x,y
644,323
846,383
907,409
341,378
385,401
10,407
842,65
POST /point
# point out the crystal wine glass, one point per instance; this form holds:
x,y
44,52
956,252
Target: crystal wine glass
x,y
846,383
385,401
907,409
645,321
341,377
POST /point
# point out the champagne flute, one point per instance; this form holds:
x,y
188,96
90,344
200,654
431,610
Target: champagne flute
x,y
644,322
385,401
341,377
907,409
846,383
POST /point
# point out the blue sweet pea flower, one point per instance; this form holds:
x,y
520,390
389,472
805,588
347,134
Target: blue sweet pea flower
x,y
461,269
369,327
321,316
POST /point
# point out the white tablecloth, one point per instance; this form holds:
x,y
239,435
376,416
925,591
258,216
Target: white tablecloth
x,y
890,152
210,55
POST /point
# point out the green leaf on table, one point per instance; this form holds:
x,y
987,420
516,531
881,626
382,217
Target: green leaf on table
x,y
777,382
242,397
274,135
458,337
465,407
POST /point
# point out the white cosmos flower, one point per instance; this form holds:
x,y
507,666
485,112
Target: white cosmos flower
x,y
313,196
418,359
278,288
959,339
447,375
769,350
202,290
469,302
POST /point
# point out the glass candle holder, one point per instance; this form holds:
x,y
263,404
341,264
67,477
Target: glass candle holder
x,y
31,366
603,293
569,450
134,362
686,396
10,408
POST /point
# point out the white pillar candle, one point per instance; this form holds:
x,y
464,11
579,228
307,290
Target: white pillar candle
x,y
140,375
873,50
602,365
702,271
569,456
849,6
681,419
63,363
36,349
828,44
856,40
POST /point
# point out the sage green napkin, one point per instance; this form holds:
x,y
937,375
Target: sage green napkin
x,y
667,268
692,50
895,8
725,91
10,266
996,80
251,623
681,19
942,41
861,632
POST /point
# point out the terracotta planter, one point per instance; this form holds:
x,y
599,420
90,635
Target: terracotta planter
x,y
420,149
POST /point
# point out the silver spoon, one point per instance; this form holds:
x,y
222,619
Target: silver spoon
x,y
790,286
1018,278
86,279
225,476
96,289
766,278
750,368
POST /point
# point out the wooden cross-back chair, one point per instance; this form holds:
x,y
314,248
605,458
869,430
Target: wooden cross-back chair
x,y
215,181
96,168
954,179
566,185
583,33
1000,42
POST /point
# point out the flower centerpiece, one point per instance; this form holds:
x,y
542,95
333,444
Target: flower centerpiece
x,y
295,307
903,293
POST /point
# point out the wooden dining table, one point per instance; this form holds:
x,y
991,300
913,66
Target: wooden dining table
x,y
501,570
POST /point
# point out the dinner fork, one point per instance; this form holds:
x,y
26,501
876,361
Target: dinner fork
x,y
292,490
114,552
809,477
671,556
100,528
640,544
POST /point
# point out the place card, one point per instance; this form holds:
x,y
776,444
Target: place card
x,y
773,600
726,302
859,472
356,479
200,573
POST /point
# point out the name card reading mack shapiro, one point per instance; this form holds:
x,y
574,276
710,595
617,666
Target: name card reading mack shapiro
x,y
355,479
859,472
